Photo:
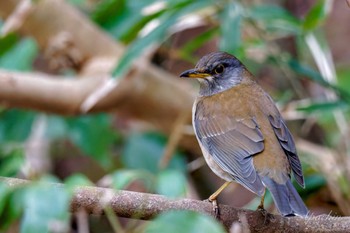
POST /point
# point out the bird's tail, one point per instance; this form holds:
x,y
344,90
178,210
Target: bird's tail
x,y
286,198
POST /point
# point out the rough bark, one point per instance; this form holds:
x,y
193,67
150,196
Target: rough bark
x,y
147,206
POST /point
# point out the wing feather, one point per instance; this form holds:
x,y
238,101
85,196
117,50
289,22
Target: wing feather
x,y
232,143
287,143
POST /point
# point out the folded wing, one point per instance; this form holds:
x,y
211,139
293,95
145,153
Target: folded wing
x,y
287,143
232,143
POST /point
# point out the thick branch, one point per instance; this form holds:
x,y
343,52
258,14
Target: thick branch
x,y
50,17
143,97
151,95
147,206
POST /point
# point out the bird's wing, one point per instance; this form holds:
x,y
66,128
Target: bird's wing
x,y
232,143
287,143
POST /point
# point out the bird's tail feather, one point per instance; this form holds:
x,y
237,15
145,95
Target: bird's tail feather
x,y
286,198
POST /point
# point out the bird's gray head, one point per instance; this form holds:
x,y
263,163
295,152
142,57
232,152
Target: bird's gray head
x,y
216,72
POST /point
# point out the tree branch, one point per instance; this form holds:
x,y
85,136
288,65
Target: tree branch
x,y
88,38
151,95
146,206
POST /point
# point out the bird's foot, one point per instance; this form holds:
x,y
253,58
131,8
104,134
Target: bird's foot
x,y
216,209
262,210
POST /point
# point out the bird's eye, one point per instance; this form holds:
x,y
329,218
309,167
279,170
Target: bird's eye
x,y
219,69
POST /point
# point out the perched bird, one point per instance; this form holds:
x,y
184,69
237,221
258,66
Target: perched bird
x,y
242,134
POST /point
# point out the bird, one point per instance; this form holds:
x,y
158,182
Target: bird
x,y
242,134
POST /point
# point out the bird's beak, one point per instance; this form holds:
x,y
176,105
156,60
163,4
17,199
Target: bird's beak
x,y
194,73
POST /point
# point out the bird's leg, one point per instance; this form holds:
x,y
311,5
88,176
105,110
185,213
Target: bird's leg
x,y
213,197
215,209
261,206
217,192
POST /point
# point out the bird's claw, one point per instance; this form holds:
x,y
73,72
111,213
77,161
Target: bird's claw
x,y
216,209
262,210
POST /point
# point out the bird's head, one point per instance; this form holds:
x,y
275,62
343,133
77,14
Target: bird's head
x,y
216,72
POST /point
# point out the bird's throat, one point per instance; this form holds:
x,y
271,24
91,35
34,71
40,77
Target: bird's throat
x,y
211,86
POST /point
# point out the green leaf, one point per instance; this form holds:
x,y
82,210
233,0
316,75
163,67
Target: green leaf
x,y
57,127
75,180
122,178
188,49
343,183
171,183
123,19
107,11
157,35
15,125
137,47
12,207
46,209
312,183
343,75
184,222
11,162
133,20
7,43
317,77
133,30
21,56
230,21
268,12
4,191
94,135
307,71
143,151
324,106
316,16
275,18
78,3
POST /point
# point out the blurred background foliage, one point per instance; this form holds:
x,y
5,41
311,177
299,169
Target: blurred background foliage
x,y
290,47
